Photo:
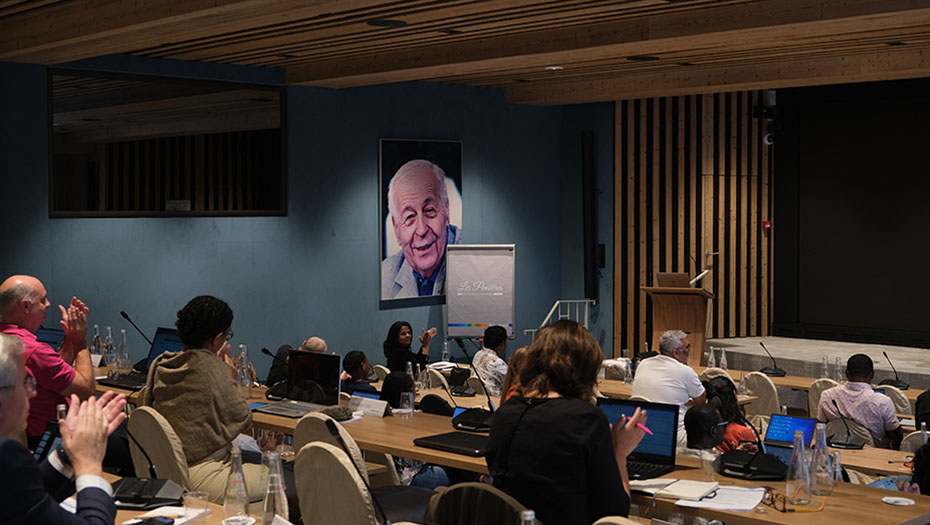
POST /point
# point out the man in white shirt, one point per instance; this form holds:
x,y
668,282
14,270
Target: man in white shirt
x,y
667,378
489,360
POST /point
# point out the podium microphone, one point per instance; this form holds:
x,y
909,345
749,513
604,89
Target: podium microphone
x,y
897,383
771,371
850,442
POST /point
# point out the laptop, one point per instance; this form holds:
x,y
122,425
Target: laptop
x,y
312,383
166,340
655,454
53,337
463,443
779,437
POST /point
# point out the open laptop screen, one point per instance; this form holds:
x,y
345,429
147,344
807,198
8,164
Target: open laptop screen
x,y
781,428
51,336
662,420
313,377
166,340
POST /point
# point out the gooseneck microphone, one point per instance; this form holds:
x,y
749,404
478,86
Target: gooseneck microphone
x,y
896,382
850,442
334,431
772,371
472,365
126,317
276,358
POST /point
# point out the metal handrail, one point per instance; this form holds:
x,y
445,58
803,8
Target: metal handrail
x,y
563,309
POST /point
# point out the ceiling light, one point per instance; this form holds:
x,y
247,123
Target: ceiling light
x,y
385,22
554,68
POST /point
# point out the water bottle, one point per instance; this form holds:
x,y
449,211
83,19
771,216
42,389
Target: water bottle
x,y
109,350
826,368
96,347
446,356
275,502
838,371
627,371
527,517
409,370
243,380
711,362
123,360
798,482
646,346
236,498
741,389
821,467
923,431
837,468
723,358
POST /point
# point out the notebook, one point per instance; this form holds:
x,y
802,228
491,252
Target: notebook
x,y
53,337
166,340
675,488
655,454
457,442
779,437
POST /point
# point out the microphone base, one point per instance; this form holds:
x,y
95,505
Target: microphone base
x,y
773,372
473,420
897,383
757,466
847,442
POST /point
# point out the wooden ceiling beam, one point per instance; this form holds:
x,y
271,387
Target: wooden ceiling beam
x,y
80,29
891,65
742,24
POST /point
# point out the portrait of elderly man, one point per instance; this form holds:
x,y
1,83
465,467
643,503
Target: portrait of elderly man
x,y
419,216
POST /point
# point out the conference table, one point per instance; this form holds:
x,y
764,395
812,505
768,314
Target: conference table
x,y
619,389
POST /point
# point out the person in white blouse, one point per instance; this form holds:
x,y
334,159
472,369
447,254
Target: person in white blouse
x,y
489,361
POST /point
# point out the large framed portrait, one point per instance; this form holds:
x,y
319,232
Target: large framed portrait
x,y
420,214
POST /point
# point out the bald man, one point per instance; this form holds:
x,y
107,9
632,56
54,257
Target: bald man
x,y
23,305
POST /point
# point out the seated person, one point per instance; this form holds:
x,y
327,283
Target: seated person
x,y
667,378
511,385
489,360
551,447
278,370
704,427
194,391
920,477
31,492
355,373
857,401
397,346
411,472
721,394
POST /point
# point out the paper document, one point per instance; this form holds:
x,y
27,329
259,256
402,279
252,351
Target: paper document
x,y
675,488
728,498
176,513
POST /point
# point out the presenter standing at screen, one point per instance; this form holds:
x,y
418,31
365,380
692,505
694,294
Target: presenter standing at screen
x,y
419,207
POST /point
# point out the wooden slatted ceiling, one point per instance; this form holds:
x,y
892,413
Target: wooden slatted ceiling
x,y
692,178
703,46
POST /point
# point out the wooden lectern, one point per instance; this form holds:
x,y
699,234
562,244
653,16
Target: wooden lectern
x,y
680,309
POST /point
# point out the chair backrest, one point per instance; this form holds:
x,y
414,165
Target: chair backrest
x,y
381,371
759,385
477,385
162,444
312,428
836,426
436,379
473,504
901,404
813,395
712,372
640,398
329,489
912,441
344,398
615,520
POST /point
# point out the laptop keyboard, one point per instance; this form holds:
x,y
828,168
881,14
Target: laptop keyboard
x,y
128,381
640,470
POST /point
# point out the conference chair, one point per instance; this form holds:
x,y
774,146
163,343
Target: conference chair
x,y
712,372
436,379
759,385
312,427
330,490
477,385
901,404
640,398
381,371
157,437
615,520
836,426
913,441
344,398
473,504
816,390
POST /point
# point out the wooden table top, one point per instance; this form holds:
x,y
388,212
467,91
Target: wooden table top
x,y
619,389
848,504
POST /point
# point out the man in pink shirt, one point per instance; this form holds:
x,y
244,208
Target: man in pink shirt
x,y
857,401
23,305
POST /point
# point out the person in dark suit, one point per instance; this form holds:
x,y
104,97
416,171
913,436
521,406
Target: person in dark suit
x,y
30,492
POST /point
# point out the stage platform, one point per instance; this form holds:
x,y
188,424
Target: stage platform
x,y
804,357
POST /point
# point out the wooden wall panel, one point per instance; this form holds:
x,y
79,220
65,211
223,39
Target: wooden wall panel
x,y
693,177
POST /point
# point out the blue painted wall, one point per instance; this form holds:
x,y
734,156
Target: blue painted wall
x,y
314,272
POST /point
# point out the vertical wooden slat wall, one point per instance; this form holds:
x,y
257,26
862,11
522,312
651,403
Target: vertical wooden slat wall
x,y
693,177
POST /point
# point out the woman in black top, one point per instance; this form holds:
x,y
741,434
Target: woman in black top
x,y
397,346
552,448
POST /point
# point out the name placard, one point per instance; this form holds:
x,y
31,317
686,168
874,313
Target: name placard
x,y
368,406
